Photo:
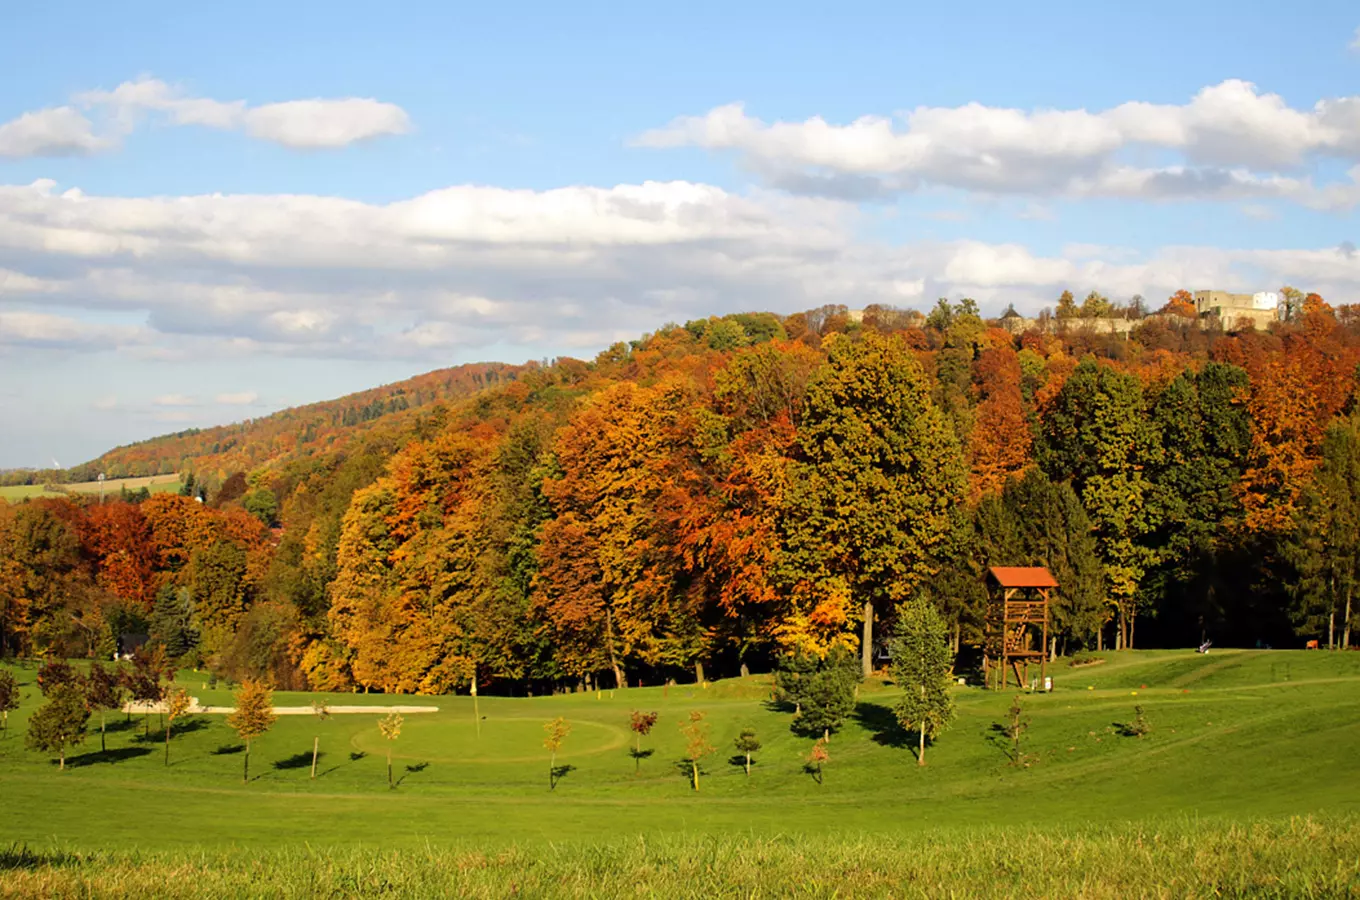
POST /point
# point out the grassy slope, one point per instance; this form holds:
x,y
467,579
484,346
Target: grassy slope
x,y
1237,735
155,484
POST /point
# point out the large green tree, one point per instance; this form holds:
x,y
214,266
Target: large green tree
x,y
868,508
1098,435
1324,547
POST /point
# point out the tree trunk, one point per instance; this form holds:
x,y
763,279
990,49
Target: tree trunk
x,y
619,681
921,754
61,759
389,767
698,672
826,735
1133,624
958,637
748,765
1331,630
552,770
694,766
245,772
167,744
866,651
744,670
316,744
1100,639
1346,623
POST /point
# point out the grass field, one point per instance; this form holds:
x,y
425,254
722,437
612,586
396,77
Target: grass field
x,y
1239,739
154,483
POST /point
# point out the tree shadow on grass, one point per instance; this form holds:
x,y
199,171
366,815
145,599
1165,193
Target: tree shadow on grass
x,y
813,771
229,749
296,761
119,725
413,770
120,754
739,760
880,722
557,774
354,756
639,755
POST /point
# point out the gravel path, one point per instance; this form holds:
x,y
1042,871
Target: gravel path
x,y
282,710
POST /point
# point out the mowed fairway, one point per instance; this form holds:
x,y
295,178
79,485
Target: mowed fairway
x,y
1237,736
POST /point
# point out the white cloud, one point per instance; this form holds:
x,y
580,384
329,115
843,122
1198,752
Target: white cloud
x,y
1355,41
59,131
107,402
298,124
316,124
22,328
464,269
242,398
1234,142
174,400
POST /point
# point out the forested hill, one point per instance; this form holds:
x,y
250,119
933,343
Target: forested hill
x,y
739,489
214,453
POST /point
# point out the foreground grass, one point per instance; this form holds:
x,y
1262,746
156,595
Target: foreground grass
x,y
1299,857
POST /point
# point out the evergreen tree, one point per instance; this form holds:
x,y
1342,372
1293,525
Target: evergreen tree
x,y
1035,522
172,621
822,689
921,667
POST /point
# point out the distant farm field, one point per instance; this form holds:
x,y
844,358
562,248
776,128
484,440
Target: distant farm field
x,y
1247,778
154,483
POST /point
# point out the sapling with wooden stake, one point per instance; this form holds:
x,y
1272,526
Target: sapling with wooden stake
x,y
322,712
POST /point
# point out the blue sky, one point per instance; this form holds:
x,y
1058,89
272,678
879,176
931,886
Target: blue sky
x,y
209,214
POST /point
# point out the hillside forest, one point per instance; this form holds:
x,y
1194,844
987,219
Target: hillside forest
x,y
710,497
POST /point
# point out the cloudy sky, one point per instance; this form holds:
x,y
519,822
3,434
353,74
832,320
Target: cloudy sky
x,y
209,215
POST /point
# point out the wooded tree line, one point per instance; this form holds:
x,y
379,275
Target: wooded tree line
x,y
715,495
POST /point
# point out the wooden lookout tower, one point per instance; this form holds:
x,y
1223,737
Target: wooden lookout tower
x,y
1017,624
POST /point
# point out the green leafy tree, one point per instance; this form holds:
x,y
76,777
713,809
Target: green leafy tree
x,y
1206,435
59,723
143,680
9,697
263,505
1324,546
868,506
1098,435
103,692
1067,306
253,716
921,667
747,743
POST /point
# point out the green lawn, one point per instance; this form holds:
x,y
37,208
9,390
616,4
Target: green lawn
x,y
156,484
1238,737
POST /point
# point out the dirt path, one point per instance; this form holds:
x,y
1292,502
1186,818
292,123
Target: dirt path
x,y
282,710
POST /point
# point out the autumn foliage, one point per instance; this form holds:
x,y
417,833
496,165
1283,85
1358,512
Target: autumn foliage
x,y
711,498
